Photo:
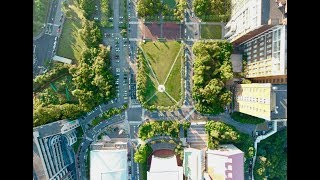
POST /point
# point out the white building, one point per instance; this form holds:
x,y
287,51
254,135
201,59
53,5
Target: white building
x,y
193,164
165,169
250,15
108,164
52,158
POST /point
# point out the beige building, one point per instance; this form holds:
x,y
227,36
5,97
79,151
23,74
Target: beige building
x,y
262,100
267,53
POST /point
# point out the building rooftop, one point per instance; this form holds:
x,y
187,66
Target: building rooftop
x,y
165,169
226,150
225,163
108,164
111,144
281,102
38,171
50,129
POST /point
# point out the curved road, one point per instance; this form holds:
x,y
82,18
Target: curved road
x,y
89,136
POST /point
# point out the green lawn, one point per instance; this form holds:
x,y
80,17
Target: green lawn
x,y
173,84
71,45
209,31
161,56
40,12
245,118
171,3
161,99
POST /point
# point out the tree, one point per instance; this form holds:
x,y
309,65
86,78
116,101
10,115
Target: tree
x,y
142,154
91,34
88,7
212,68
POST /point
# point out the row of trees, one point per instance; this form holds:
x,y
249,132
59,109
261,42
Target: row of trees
x,y
212,68
42,81
92,79
221,133
272,157
142,154
159,128
153,8
204,9
106,115
106,12
47,114
88,6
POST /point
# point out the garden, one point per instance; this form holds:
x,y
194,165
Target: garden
x,y
160,74
212,69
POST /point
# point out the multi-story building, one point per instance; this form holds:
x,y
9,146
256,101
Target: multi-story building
x,y
225,163
193,164
165,168
53,158
267,56
109,160
251,17
262,100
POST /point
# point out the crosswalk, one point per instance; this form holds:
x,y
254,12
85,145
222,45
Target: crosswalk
x,y
197,137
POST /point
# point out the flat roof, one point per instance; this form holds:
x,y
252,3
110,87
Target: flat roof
x,y
108,164
50,129
281,102
165,169
38,170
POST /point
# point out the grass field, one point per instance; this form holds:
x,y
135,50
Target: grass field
x,y
40,12
71,45
209,31
161,56
161,99
173,84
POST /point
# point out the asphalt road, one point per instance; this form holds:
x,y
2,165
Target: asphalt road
x,y
44,45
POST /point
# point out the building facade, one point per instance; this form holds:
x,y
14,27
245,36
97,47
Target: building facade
x,y
267,55
53,157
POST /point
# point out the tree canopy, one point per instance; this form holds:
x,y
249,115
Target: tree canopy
x,y
272,157
212,68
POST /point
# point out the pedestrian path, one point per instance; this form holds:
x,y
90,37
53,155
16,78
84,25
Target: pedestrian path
x,y
197,137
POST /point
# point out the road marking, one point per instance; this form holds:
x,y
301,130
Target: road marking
x,y
133,22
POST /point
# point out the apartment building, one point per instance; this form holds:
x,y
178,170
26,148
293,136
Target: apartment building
x,y
251,17
267,56
225,163
53,158
193,164
262,100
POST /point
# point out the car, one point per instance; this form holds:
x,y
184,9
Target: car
x,y
117,69
116,56
96,18
58,30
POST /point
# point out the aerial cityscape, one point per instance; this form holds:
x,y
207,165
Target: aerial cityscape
x,y
159,89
